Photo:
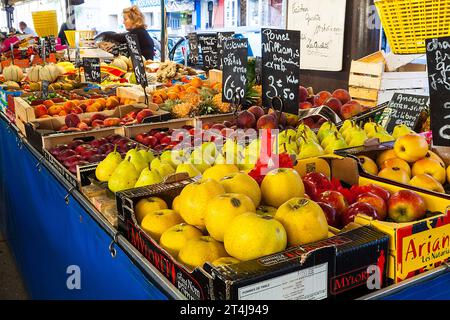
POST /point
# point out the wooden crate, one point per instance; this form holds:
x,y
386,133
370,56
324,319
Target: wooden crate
x,y
374,79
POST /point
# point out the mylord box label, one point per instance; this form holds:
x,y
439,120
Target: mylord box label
x,y
306,284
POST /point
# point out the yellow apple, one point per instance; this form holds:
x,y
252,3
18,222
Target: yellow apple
x,y
427,182
369,165
174,238
196,252
266,211
431,167
385,155
304,221
397,163
280,185
158,221
222,209
395,174
431,155
218,171
411,147
250,236
225,261
148,205
240,182
194,199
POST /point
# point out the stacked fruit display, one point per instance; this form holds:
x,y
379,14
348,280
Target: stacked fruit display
x,y
79,152
161,139
49,108
410,162
74,123
339,101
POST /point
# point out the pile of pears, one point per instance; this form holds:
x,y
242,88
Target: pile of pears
x,y
131,172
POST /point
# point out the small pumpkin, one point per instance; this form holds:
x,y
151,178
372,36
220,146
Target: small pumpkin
x,y
33,73
50,73
13,73
127,61
119,63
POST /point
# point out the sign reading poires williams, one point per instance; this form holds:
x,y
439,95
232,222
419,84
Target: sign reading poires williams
x,y
438,59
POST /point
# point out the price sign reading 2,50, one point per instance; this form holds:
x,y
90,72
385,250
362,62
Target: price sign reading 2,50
x,y
231,90
286,93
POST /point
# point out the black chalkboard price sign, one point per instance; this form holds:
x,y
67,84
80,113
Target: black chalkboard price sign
x,y
208,44
221,38
235,59
403,109
438,58
92,71
281,67
136,59
193,49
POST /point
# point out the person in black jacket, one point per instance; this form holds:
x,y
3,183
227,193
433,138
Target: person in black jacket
x,y
134,22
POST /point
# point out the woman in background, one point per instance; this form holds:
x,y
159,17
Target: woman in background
x,y
134,22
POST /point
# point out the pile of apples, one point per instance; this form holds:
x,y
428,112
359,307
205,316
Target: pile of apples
x,y
342,205
74,123
339,101
410,162
230,218
51,109
161,139
79,152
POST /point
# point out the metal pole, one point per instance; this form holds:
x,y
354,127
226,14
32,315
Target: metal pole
x,y
70,15
163,31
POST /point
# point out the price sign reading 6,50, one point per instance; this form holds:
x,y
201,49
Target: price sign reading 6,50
x,y
235,61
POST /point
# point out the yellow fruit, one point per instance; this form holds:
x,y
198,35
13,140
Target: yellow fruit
x,y
266,211
224,208
194,200
395,174
369,165
411,147
251,236
176,204
196,252
219,171
174,238
431,167
397,163
304,221
427,182
280,185
225,261
158,221
448,174
239,182
431,155
385,155
148,205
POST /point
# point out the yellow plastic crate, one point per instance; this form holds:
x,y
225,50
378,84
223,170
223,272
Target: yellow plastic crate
x,y
45,23
84,35
408,23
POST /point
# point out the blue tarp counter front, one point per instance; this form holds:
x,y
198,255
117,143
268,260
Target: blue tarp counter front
x,y
52,239
49,235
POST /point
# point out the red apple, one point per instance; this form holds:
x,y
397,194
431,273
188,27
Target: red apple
x,y
406,206
357,208
66,154
166,140
375,201
335,199
310,189
331,214
72,160
320,180
159,135
82,148
375,189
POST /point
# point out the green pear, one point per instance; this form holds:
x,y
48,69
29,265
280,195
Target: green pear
x,y
325,129
106,168
303,129
136,159
371,128
201,166
189,169
346,125
231,149
147,155
124,177
330,138
248,162
310,149
165,169
401,130
383,136
173,157
148,177
358,139
335,145
254,148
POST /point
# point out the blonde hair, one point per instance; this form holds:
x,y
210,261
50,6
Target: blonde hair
x,y
135,16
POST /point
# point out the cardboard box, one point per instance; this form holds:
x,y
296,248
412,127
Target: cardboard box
x,y
405,238
375,78
303,272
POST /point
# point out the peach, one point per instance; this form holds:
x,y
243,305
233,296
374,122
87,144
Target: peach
x,y
112,102
111,122
321,98
266,122
342,95
334,104
76,110
62,113
92,108
54,110
72,120
101,102
83,126
48,103
97,123
145,113
40,110
350,110
305,105
68,106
